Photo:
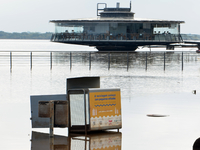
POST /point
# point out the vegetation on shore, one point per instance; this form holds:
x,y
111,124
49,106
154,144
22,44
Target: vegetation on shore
x,y
25,35
47,35
190,36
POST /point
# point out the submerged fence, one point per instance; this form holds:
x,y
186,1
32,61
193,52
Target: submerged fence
x,y
92,59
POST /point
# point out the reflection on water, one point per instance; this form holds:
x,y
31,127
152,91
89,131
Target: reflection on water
x,y
104,60
151,91
126,59
41,141
93,141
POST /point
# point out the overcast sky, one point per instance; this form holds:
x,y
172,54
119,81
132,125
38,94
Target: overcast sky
x,y
34,15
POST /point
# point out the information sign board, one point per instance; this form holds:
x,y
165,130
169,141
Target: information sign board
x,y
105,109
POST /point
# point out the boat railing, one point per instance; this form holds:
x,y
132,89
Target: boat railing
x,y
58,37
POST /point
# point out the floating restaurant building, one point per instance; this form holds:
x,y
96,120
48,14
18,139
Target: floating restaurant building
x,y
116,29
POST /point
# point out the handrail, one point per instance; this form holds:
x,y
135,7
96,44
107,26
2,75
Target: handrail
x,y
11,57
118,37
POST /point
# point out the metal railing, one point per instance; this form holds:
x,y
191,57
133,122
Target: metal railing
x,y
128,60
118,37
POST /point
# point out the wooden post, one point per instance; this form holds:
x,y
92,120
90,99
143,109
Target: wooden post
x,y
51,118
50,60
31,60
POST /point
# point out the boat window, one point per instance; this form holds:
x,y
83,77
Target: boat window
x,y
166,28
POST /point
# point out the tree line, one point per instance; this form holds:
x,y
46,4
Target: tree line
x,y
190,36
47,35
25,35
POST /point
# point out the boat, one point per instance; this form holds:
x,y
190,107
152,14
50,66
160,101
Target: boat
x,y
117,29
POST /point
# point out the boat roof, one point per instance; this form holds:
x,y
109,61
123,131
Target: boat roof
x,y
121,20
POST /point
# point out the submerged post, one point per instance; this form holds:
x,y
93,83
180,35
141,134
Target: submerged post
x,y
146,61
31,60
10,60
70,60
164,61
51,118
90,61
50,60
127,60
109,61
85,142
182,61
52,144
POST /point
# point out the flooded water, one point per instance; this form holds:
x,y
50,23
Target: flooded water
x,y
147,87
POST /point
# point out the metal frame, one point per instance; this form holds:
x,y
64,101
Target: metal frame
x,y
83,91
78,91
93,90
100,9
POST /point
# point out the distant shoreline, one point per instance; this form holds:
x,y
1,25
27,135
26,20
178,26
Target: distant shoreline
x,y
47,36
26,35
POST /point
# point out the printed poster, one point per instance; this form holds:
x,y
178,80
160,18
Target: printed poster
x,y
105,109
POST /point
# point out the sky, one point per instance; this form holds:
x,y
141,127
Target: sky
x,y
34,15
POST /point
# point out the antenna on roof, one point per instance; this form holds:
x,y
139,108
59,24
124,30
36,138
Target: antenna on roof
x,y
130,6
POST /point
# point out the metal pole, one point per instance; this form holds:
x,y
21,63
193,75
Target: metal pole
x,y
69,143
70,60
85,142
10,60
52,143
146,61
51,118
31,60
127,60
109,61
50,60
69,115
85,112
164,61
90,61
182,61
